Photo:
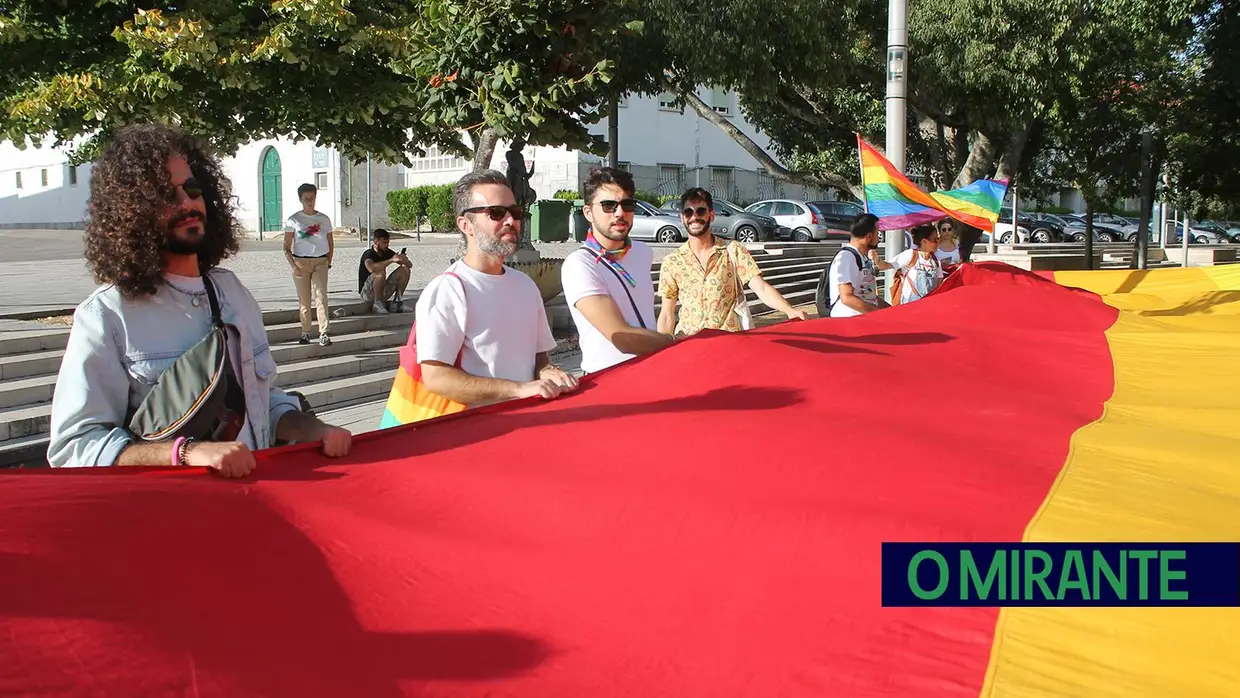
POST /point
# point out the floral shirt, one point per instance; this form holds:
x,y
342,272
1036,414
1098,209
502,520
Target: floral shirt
x,y
708,294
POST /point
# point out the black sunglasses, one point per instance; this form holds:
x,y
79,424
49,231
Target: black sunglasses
x,y
609,206
497,213
192,188
700,210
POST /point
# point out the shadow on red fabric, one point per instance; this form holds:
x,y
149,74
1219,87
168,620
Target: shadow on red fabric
x,y
703,521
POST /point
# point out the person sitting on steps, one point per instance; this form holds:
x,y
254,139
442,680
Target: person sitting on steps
x,y
383,291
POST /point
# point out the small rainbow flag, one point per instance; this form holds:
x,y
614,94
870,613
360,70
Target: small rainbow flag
x,y
900,204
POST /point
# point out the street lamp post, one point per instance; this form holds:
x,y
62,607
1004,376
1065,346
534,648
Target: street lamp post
x,y
897,122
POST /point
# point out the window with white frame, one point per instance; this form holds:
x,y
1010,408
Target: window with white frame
x,y
437,161
320,180
43,177
667,102
19,180
73,175
721,100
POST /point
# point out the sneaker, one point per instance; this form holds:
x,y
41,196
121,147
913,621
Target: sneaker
x,y
398,306
305,339
324,340
379,309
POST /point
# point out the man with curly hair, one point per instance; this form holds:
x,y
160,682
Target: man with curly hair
x,y
159,221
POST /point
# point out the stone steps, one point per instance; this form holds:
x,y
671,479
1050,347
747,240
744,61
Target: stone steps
x,y
360,363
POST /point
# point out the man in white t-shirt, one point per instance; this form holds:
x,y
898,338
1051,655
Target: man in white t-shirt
x,y
920,268
848,287
607,283
309,246
481,330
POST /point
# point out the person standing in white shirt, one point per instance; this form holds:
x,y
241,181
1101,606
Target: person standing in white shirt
x,y
607,283
848,287
309,246
481,333
948,250
920,268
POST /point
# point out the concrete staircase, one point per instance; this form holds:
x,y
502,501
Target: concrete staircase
x,y
358,366
356,369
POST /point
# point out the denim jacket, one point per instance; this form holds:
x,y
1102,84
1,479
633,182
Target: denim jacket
x,y
118,348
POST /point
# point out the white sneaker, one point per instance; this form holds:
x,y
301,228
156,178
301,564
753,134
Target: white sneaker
x,y
379,309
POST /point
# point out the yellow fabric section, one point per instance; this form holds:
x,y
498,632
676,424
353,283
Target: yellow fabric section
x,y
1162,464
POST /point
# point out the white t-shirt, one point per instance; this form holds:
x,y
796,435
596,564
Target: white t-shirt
x,y
498,318
195,284
948,258
309,233
582,277
844,270
924,277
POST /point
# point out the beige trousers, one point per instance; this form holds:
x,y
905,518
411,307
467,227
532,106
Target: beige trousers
x,y
312,273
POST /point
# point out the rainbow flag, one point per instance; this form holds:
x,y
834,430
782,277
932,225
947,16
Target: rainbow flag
x,y
900,204
511,550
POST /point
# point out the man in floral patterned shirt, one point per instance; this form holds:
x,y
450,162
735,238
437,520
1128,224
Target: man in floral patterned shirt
x,y
706,274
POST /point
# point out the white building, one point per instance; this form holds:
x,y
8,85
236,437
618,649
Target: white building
x,y
40,189
666,148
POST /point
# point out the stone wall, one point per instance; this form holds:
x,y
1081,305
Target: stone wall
x,y
383,178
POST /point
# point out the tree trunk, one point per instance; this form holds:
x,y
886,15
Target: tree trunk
x,y
484,149
979,163
932,133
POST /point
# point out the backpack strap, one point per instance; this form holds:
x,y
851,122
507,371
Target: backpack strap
x,y
460,356
827,274
601,260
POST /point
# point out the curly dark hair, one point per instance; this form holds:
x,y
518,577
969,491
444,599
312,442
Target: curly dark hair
x,y
130,191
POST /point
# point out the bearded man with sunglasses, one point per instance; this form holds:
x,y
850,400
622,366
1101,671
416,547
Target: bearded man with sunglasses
x,y
159,226
708,276
482,334
607,283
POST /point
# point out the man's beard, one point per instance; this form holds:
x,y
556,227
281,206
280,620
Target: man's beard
x,y
705,230
495,245
174,243
616,235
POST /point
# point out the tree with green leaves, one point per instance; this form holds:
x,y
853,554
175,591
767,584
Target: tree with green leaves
x,y
376,77
985,76
1203,139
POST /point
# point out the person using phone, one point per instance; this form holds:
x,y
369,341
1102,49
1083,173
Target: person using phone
x,y
383,275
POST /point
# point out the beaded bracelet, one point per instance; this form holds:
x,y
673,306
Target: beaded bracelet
x,y
184,452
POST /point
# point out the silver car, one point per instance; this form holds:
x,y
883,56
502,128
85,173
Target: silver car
x,y
801,217
650,223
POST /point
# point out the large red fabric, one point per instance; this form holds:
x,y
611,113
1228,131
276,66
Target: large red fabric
x,y
702,522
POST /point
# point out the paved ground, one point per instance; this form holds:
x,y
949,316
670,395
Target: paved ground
x,y
44,271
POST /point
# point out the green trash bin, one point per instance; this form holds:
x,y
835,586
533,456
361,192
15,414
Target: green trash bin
x,y
578,224
549,220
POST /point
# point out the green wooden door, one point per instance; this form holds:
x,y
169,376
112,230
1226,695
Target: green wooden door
x,y
273,214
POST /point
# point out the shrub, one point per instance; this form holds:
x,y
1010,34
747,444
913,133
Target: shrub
x,y
433,202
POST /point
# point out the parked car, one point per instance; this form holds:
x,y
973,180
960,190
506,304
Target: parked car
x,y
798,216
735,223
1031,229
655,224
1074,228
1103,232
1208,233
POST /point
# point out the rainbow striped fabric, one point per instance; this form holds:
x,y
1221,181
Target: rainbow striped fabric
x,y
900,204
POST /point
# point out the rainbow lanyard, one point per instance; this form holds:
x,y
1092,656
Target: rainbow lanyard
x,y
611,257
